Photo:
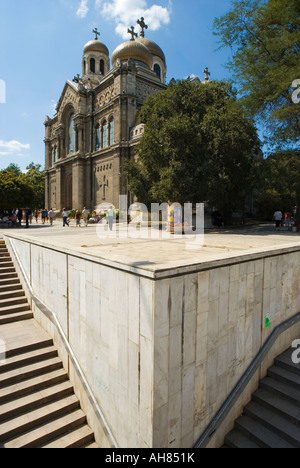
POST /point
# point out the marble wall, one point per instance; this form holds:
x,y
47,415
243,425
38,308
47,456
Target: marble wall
x,y
161,356
209,326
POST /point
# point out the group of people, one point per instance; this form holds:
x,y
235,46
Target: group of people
x,y
78,216
284,220
15,217
85,216
45,215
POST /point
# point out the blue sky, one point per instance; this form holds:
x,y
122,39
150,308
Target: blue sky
x,y
41,45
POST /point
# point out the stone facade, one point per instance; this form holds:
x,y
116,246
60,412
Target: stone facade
x,y
93,131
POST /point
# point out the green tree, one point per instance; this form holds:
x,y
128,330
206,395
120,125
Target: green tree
x,y
21,190
280,186
36,179
197,146
264,37
14,190
14,169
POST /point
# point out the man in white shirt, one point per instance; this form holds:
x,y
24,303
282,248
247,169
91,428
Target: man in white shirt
x,y
65,217
85,214
277,218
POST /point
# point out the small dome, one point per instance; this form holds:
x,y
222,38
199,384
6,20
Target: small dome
x,y
95,46
132,49
153,48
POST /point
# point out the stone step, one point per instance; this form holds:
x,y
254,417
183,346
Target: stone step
x,y
11,294
236,439
36,417
44,434
4,276
279,425
258,433
6,269
10,287
281,389
19,305
278,405
33,345
6,263
284,375
20,374
285,361
32,385
9,281
35,400
27,358
91,445
75,439
4,257
16,317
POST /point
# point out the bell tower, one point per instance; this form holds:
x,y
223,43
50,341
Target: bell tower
x,y
95,61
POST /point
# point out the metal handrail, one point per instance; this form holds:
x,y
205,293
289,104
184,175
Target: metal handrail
x,y
223,412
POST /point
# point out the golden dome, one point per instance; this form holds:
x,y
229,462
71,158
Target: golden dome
x,y
132,49
95,46
153,48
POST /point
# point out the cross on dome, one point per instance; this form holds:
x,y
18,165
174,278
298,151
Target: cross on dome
x,y
96,32
133,34
206,73
143,26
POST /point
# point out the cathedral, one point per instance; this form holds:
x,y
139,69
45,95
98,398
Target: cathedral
x,y
96,128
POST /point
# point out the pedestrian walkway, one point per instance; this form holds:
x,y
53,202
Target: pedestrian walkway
x,y
156,254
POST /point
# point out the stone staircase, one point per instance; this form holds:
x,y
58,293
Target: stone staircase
x,y
13,302
38,406
272,418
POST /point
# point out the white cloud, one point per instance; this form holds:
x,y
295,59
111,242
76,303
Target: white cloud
x,y
12,147
83,9
125,13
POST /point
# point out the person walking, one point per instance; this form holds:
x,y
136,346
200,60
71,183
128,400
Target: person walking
x,y
110,217
44,214
36,215
51,216
288,219
85,214
27,216
77,218
277,217
20,216
65,217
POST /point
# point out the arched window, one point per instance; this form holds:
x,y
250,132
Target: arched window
x,y
157,70
111,132
98,138
104,135
101,67
72,135
92,65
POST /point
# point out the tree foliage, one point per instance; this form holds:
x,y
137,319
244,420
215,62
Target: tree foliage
x,y
197,146
279,182
19,190
264,36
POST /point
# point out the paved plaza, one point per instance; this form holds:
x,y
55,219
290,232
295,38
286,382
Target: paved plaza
x,y
158,254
